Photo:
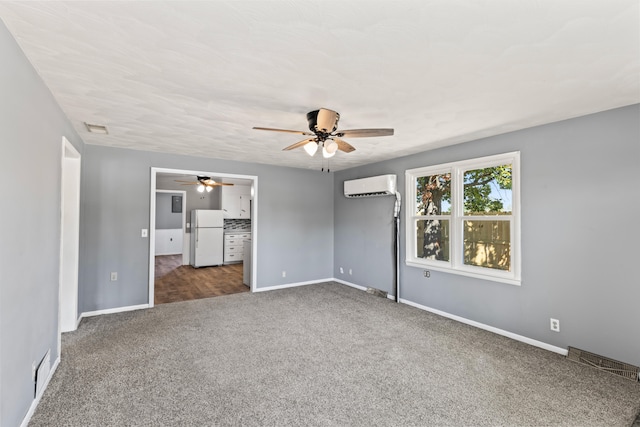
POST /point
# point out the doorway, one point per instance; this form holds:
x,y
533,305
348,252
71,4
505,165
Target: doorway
x,y
172,278
69,238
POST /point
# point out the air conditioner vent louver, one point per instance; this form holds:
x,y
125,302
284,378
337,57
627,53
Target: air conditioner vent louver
x,y
377,193
374,186
604,363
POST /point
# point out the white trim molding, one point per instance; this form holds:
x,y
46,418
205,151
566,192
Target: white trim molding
x,y
292,285
526,340
36,401
362,288
113,310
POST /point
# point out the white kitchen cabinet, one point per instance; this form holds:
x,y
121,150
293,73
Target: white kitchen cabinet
x,y
236,202
233,246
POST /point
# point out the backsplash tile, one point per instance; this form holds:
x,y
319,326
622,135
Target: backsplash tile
x,y
237,225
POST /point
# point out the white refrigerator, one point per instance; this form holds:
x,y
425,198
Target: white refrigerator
x,y
207,238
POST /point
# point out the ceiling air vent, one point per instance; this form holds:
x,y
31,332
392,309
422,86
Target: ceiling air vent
x,y
96,128
604,363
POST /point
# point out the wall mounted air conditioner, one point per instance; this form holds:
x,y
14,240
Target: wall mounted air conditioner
x,y
382,185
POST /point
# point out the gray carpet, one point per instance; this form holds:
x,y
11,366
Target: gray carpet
x,y
320,355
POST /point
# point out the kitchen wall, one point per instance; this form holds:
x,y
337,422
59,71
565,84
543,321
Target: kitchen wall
x,y
31,129
294,222
194,199
579,236
166,219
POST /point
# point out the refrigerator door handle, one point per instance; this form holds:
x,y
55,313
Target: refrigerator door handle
x,y
196,230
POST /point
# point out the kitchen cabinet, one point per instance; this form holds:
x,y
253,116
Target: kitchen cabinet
x,y
233,246
236,202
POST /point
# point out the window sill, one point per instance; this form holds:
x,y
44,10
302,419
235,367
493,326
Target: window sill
x,y
424,266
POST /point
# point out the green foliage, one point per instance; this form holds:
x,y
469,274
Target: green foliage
x,y
477,188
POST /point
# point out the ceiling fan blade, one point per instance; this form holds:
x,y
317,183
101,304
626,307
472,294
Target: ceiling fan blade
x,y
299,132
344,145
216,184
299,144
188,182
364,133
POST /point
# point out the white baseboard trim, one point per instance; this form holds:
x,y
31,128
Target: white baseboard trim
x,y
113,310
362,288
291,285
36,401
526,340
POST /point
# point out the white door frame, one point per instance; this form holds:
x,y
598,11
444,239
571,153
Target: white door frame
x,y
152,221
69,239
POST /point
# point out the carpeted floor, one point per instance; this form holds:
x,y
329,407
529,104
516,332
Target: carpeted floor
x,y
320,355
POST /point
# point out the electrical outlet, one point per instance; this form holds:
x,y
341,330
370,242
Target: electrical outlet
x,y
426,273
114,276
350,272
555,325
341,270
284,274
144,232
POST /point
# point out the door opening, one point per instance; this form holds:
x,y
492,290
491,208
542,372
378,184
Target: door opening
x,y
174,277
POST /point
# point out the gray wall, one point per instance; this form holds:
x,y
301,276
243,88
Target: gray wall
x,y
195,200
295,222
166,219
31,130
579,236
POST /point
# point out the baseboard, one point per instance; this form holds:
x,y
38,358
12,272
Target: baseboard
x,y
112,310
36,401
292,285
530,341
362,288
526,340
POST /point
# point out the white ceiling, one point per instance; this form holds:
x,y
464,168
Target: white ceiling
x,y
194,77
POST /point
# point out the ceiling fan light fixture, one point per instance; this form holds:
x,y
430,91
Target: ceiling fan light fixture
x,y
311,148
326,153
201,188
331,147
209,189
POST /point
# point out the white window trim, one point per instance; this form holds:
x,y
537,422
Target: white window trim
x,y
455,264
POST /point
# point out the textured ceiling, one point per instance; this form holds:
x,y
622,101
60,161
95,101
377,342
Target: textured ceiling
x,y
194,77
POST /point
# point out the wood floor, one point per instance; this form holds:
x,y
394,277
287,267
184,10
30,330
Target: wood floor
x,y
176,282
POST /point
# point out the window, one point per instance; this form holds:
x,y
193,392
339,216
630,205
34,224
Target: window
x,y
464,217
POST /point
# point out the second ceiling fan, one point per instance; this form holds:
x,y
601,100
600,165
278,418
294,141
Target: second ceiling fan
x,y
323,124
203,183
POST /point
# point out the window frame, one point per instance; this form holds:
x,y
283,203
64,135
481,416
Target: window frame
x,y
456,265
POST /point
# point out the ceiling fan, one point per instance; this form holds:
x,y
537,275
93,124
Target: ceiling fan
x,y
323,124
204,183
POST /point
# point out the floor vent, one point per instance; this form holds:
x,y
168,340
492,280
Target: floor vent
x,y
604,363
42,374
377,292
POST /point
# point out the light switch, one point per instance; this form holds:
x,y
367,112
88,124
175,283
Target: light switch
x,y
144,232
